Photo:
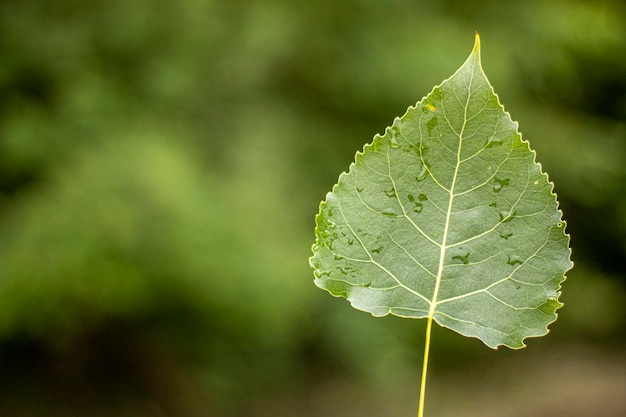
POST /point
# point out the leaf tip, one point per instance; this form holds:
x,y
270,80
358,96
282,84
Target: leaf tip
x,y
476,49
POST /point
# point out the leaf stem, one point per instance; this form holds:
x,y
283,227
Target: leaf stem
x,y
429,326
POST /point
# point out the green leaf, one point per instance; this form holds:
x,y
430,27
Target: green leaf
x,y
448,216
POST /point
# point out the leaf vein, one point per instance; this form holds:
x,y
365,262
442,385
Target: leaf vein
x,y
376,263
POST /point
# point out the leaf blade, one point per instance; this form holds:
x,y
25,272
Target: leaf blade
x,y
448,215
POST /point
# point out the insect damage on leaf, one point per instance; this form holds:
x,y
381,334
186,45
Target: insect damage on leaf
x,y
447,216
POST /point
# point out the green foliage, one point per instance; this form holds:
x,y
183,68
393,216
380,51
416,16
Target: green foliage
x,y
448,216
121,243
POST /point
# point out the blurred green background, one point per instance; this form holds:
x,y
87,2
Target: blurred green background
x,y
161,163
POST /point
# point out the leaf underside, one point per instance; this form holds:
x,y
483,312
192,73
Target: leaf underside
x,y
448,215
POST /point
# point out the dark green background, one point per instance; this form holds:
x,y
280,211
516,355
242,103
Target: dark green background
x,y
161,163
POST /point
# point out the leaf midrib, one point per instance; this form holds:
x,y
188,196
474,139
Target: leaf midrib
x,y
444,239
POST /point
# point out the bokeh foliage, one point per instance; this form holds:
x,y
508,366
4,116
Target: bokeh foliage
x,y
161,164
